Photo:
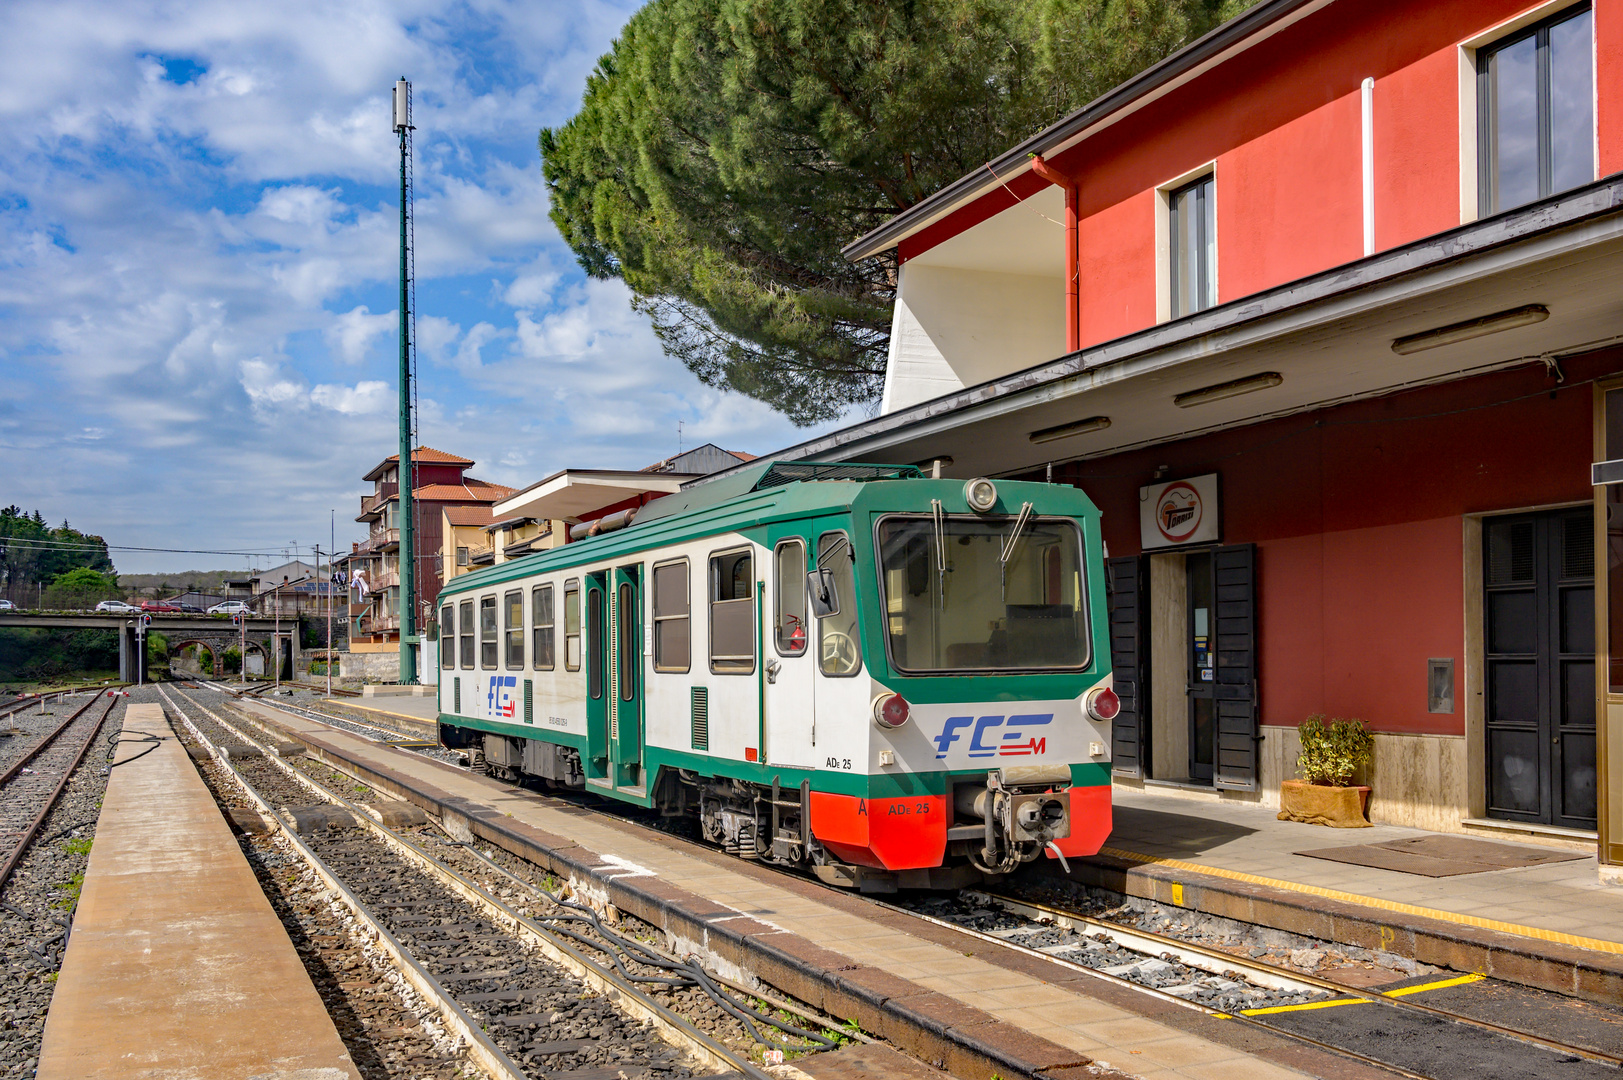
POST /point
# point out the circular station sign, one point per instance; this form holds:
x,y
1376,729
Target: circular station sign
x,y
1178,512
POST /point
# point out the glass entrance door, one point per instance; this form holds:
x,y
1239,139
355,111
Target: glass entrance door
x,y
1202,664
1539,606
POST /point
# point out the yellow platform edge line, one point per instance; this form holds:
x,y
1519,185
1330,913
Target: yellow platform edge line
x,y
1304,1006
1405,991
1595,944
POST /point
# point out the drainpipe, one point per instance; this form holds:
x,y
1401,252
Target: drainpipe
x,y
1073,292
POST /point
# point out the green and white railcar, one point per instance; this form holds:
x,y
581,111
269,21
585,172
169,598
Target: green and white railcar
x,y
895,680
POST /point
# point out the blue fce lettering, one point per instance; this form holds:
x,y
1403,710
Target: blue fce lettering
x,y
949,734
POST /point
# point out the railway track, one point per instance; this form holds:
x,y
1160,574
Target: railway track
x,y
29,787
1391,1028
534,984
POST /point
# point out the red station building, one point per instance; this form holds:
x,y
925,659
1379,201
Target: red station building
x,y
1323,312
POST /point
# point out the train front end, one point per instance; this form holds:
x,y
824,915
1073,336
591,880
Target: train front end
x,y
985,727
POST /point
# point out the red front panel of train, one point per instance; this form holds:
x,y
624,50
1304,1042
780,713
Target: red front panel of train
x,y
891,834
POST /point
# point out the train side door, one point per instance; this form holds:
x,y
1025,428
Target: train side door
x,y
790,720
596,655
625,692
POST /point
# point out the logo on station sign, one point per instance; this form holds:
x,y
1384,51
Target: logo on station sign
x,y
1178,512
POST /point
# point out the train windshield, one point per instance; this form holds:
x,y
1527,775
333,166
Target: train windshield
x,y
983,594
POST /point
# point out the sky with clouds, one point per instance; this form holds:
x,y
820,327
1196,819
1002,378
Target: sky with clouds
x,y
198,267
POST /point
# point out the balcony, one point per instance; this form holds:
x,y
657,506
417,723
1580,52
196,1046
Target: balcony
x,y
381,540
374,503
385,579
377,624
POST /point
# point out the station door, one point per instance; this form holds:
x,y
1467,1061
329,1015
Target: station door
x,y
1539,640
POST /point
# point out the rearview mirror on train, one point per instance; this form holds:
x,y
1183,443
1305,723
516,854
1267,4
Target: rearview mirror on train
x,y
824,596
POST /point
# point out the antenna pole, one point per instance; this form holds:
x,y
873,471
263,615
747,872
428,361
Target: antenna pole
x,y
405,474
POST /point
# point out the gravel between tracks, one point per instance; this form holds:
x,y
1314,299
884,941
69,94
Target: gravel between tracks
x,y
689,1002
36,903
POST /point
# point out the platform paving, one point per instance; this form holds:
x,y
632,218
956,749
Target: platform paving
x,y
178,967
1057,1024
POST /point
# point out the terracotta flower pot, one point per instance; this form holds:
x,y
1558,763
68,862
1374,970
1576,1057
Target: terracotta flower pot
x,y
1316,804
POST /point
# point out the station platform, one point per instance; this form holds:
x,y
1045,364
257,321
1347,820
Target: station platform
x,y
413,713
975,1009
1550,924
177,965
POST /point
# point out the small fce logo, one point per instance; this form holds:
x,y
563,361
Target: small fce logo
x,y
498,702
1011,741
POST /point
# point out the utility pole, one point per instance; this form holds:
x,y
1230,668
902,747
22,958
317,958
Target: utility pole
x,y
408,535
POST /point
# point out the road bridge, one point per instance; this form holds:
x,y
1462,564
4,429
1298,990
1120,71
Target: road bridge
x,y
216,633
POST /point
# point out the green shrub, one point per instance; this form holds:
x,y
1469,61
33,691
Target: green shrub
x,y
1333,751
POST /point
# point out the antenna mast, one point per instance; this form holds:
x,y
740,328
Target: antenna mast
x,y
406,473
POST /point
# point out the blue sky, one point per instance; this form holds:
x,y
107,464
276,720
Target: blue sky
x,y
198,251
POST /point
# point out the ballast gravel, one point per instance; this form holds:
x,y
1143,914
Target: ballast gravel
x,y
37,903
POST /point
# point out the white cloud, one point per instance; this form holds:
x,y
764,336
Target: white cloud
x,y
351,334
362,398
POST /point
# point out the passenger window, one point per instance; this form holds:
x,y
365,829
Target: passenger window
x,y
732,613
447,637
789,606
625,610
839,647
672,637
572,625
594,642
541,620
466,611
513,628
487,632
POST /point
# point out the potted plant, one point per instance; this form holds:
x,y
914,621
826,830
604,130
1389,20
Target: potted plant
x,y
1331,753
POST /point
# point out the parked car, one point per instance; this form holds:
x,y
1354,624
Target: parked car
x,y
190,609
7,605
161,607
117,607
230,607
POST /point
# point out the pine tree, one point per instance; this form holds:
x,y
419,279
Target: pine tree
x,y
726,150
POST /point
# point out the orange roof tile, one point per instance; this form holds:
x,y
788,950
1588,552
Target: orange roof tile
x,y
477,516
470,490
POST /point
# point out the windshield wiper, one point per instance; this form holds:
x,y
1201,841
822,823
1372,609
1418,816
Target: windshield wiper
x,y
1014,536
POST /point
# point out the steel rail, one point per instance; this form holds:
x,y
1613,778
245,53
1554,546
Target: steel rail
x,y
605,980
67,774
47,740
1275,976
1245,964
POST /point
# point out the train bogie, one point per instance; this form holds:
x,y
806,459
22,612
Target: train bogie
x,y
869,676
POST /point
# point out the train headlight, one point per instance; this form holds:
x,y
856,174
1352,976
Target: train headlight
x,y
890,711
981,495
1103,704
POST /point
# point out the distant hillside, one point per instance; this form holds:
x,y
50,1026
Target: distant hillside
x,y
180,580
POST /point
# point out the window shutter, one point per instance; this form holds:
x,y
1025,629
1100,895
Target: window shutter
x,y
1235,570
1124,578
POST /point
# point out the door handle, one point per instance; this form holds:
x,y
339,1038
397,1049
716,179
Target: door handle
x,y
772,669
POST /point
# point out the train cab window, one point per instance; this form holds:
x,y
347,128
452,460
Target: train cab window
x,y
839,645
466,615
672,628
789,598
487,632
983,594
541,624
732,613
572,625
513,628
447,637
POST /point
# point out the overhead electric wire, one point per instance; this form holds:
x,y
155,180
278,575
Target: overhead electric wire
x,y
69,545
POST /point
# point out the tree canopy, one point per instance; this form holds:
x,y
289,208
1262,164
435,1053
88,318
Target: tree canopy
x,y
725,151
34,553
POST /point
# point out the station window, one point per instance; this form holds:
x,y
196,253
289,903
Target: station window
x,y
541,622
1536,112
732,613
572,625
839,646
672,633
466,612
513,628
487,632
447,637
1193,229
789,598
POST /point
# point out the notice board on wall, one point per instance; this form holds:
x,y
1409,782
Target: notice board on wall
x,y
1180,513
